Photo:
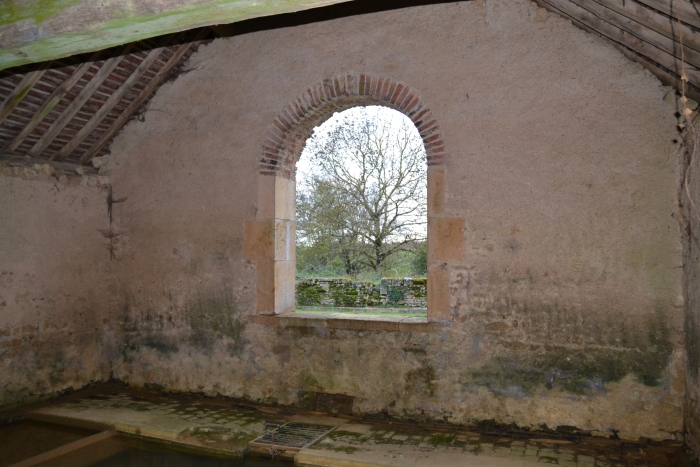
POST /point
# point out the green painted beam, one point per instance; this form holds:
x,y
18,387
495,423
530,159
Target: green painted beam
x,y
39,30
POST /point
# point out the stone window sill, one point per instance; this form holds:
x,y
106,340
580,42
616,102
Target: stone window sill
x,y
350,322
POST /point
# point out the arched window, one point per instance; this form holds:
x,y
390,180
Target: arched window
x,y
270,237
361,206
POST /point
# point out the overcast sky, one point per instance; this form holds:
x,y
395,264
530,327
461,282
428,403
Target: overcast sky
x,y
304,168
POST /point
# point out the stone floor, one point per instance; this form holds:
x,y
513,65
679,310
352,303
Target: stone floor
x,y
223,428
409,446
191,423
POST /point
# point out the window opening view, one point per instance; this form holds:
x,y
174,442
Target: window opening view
x,y
362,216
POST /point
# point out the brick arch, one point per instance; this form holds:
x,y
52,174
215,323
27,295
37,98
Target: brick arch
x,y
294,124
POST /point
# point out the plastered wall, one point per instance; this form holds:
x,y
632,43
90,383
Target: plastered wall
x,y
564,304
54,291
691,267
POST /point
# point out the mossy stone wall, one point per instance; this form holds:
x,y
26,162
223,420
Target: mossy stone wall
x,y
409,292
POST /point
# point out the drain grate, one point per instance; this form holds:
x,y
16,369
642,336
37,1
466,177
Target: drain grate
x,y
291,436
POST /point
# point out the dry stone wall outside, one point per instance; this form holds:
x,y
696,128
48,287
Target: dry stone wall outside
x,y
561,261
406,292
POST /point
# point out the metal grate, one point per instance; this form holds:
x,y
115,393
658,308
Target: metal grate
x,y
292,436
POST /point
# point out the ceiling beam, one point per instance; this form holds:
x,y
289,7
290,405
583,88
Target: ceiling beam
x,y
613,32
77,103
107,107
19,92
42,30
49,104
26,161
134,106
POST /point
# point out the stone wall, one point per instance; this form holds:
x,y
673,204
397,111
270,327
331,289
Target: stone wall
x,y
54,287
348,293
691,278
562,267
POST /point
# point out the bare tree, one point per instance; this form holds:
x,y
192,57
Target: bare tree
x,y
368,190
319,206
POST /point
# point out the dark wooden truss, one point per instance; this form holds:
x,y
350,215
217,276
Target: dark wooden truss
x,y
66,112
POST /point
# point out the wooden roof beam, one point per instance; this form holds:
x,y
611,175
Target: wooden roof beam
x,y
49,104
43,30
73,108
615,33
16,96
134,106
107,107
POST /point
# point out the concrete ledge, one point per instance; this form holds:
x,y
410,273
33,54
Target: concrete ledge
x,y
46,457
352,322
68,421
382,456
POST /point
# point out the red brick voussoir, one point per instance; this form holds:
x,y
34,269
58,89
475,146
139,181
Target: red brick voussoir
x,y
291,127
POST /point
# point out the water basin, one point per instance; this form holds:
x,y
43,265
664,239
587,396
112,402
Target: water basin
x,y
27,438
123,451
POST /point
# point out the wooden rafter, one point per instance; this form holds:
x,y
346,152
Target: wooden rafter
x,y
65,119
73,108
644,32
49,104
134,106
20,91
96,119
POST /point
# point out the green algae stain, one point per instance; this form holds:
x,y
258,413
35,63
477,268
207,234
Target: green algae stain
x,y
145,332
309,294
213,317
420,287
345,449
441,440
692,342
336,434
160,344
582,371
341,292
421,380
23,92
95,34
308,382
38,10
651,364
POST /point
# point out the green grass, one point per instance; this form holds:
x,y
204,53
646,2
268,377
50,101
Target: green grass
x,y
409,315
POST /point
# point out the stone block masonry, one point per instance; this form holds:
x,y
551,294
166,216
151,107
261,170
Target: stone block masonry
x,y
408,292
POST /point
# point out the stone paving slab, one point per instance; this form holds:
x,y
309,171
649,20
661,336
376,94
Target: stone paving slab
x,y
226,430
222,430
398,456
364,445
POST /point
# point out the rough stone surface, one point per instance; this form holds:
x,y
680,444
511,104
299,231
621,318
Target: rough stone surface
x,y
213,428
690,220
340,292
220,428
396,446
565,297
53,284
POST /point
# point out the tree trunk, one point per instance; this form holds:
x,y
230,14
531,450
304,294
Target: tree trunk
x,y
380,259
